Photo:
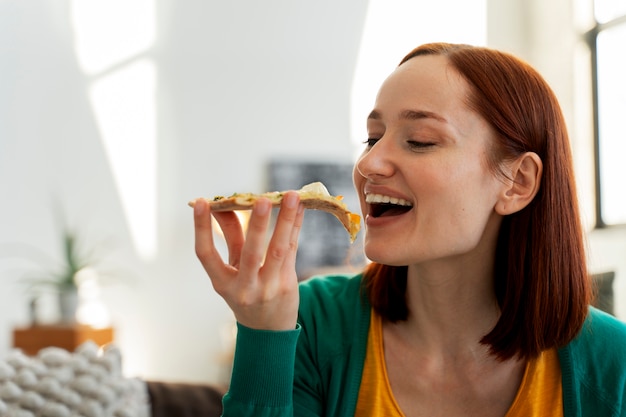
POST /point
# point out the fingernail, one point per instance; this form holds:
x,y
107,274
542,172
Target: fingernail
x,y
291,200
262,207
199,207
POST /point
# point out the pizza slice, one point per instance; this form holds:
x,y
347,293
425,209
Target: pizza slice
x,y
313,196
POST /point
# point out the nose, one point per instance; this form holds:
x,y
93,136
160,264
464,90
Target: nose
x,y
375,161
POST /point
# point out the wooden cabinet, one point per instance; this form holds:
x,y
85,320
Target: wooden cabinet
x,y
67,336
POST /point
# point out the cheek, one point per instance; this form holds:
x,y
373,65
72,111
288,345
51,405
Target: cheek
x,y
359,182
469,176
471,211
464,197
356,177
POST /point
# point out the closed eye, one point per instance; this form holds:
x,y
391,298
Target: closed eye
x,y
419,145
371,142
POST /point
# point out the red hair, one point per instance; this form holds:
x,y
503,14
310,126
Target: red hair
x,y
541,280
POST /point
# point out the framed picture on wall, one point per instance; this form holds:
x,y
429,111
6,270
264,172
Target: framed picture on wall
x,y
324,245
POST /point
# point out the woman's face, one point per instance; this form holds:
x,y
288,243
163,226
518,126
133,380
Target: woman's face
x,y
426,156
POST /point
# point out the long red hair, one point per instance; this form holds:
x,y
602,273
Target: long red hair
x,y
541,280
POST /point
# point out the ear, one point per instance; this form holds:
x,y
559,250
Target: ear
x,y
525,173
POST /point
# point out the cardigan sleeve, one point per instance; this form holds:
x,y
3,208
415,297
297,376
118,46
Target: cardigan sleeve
x,y
262,379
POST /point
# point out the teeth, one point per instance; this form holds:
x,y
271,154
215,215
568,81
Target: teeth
x,y
379,198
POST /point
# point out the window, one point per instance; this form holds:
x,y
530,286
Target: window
x,y
606,42
121,76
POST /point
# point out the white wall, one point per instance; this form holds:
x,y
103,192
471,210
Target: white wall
x,y
238,83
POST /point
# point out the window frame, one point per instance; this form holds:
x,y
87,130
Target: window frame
x,y
591,38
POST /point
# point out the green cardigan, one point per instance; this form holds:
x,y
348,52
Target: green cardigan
x,y
315,370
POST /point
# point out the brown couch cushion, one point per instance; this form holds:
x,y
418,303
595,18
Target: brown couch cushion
x,y
169,399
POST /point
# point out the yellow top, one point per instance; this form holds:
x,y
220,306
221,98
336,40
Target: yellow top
x,y
540,393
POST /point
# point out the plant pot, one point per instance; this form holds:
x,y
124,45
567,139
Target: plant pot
x,y
68,304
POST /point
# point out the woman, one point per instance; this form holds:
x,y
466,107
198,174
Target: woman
x,y
476,302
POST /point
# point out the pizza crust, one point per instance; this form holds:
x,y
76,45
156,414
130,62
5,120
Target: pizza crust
x,y
313,196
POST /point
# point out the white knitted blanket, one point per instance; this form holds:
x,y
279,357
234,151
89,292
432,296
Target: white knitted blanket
x,y
56,383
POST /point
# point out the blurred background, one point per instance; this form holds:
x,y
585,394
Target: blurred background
x,y
114,114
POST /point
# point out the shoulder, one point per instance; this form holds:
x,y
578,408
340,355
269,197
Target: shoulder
x,y
601,344
332,305
602,331
595,361
330,286
331,296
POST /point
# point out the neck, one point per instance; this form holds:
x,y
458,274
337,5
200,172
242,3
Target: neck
x,y
451,307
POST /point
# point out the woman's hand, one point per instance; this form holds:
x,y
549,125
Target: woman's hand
x,y
259,283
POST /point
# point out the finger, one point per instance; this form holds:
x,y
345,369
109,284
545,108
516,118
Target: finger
x,y
290,261
279,247
233,234
253,250
205,247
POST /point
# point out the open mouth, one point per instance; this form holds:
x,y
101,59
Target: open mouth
x,y
385,206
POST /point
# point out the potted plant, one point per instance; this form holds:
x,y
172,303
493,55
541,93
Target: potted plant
x,y
61,277
64,281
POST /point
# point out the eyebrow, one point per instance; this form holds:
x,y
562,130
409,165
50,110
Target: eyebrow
x,y
410,115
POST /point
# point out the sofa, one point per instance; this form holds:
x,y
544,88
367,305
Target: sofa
x,y
172,399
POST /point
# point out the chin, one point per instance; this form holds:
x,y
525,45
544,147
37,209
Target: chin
x,y
383,254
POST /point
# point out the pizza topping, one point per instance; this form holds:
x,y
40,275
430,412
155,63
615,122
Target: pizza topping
x,y
315,188
312,196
